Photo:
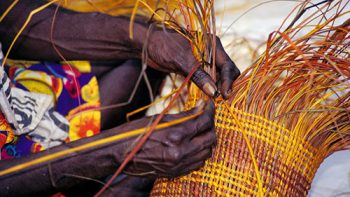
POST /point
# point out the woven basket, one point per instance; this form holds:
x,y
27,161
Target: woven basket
x,y
287,163
287,113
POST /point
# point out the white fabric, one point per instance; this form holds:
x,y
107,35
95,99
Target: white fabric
x,y
31,113
51,130
29,109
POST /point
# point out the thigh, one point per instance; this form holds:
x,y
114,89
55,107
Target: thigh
x,y
120,91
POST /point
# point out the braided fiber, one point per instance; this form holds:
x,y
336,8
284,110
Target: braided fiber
x,y
287,113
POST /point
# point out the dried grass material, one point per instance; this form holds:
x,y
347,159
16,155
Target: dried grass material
x,y
291,107
287,112
112,7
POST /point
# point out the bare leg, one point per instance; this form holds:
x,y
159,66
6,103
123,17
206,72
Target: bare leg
x,y
116,85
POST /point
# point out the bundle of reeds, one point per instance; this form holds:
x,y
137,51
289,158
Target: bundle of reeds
x,y
287,112
115,8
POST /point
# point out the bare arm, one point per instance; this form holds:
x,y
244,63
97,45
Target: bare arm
x,y
95,36
86,36
169,152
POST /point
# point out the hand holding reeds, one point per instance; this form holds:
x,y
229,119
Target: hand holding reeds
x,y
171,150
175,150
71,35
172,52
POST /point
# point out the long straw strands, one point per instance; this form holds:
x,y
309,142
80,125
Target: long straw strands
x,y
188,18
287,112
197,13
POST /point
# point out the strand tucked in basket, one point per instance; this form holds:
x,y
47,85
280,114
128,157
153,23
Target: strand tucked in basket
x,y
288,112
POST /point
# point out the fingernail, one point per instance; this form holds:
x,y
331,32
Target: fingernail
x,y
209,89
216,95
229,92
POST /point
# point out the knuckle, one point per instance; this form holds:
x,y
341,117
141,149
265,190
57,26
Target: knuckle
x,y
230,67
175,155
213,137
199,77
186,62
175,136
231,70
236,71
167,142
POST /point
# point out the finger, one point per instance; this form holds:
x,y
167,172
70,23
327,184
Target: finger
x,y
195,126
204,82
200,156
183,171
153,162
164,156
204,122
199,143
228,70
193,167
175,154
150,163
169,162
195,163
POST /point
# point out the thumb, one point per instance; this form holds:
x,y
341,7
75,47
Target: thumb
x,y
203,80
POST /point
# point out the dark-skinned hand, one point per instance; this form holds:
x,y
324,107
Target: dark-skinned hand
x,y
175,150
99,37
172,53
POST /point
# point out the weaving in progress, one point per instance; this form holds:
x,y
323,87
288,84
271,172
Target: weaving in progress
x,y
287,113
274,125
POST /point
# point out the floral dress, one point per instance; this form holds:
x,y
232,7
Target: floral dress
x,y
74,92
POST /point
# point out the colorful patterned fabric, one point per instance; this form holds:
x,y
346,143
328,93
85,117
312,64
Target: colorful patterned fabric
x,y
75,93
6,132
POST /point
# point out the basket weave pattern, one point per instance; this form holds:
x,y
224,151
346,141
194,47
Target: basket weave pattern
x,y
286,163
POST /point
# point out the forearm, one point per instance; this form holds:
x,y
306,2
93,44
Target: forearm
x,y
63,172
84,36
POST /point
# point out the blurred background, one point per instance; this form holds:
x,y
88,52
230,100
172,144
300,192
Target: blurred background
x,y
244,26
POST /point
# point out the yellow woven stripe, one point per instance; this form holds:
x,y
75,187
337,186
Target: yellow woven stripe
x,y
215,177
286,161
96,143
217,174
251,152
270,133
300,150
247,116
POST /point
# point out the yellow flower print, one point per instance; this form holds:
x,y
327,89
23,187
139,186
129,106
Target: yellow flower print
x,y
90,92
84,121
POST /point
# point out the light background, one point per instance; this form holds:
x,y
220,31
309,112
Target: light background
x,y
333,177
